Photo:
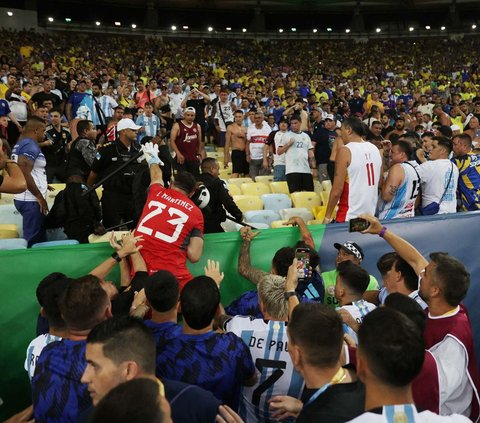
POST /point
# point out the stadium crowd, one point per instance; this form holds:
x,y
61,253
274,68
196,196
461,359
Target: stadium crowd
x,y
395,130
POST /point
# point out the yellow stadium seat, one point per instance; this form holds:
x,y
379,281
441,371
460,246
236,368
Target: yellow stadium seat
x,y
8,227
319,212
327,185
52,194
279,223
225,176
306,199
239,181
324,197
234,189
279,187
215,154
266,179
92,238
302,212
248,202
6,198
227,171
317,187
58,187
255,188
8,234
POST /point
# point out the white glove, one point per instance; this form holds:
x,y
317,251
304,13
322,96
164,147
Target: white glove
x,y
150,152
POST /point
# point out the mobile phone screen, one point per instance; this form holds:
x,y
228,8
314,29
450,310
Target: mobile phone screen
x,y
303,262
358,224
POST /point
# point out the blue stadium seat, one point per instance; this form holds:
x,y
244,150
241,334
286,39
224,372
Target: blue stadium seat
x,y
276,202
55,243
13,244
261,216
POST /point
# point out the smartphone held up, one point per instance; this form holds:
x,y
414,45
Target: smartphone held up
x,y
303,262
358,225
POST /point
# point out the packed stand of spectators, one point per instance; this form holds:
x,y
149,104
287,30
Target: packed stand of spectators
x,y
305,344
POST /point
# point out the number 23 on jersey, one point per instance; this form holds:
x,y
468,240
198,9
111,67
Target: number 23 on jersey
x,y
177,221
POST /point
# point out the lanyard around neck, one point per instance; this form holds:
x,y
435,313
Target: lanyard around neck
x,y
337,378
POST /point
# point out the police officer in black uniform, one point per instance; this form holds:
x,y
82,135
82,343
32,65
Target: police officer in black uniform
x,y
82,151
56,139
117,198
220,199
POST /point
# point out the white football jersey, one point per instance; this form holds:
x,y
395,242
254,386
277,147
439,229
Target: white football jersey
x,y
35,348
268,345
403,202
360,190
358,309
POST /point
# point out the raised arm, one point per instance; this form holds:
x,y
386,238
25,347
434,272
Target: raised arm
x,y
150,152
304,232
404,249
128,247
291,282
245,267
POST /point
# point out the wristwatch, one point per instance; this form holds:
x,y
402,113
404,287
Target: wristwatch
x,y
288,294
116,257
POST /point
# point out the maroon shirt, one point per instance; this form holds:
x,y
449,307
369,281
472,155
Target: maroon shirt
x,y
188,141
459,327
425,387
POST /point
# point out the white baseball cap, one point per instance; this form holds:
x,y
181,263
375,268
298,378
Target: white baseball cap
x,y
331,117
127,124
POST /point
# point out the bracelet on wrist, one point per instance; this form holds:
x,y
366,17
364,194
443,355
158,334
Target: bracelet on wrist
x,y
289,294
381,234
116,257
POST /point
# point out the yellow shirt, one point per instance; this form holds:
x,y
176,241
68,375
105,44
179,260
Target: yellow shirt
x,y
457,121
26,96
26,51
3,90
370,103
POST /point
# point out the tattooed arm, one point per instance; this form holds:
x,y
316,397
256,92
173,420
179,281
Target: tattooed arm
x,y
395,178
245,267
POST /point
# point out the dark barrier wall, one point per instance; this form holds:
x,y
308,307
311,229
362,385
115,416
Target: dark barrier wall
x,y
22,269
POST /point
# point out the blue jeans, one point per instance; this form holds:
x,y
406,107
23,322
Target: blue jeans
x,y
279,173
33,221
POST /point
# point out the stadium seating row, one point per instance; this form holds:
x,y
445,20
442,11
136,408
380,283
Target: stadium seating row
x,y
277,201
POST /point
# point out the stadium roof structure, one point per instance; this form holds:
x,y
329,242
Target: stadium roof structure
x,y
261,15
278,5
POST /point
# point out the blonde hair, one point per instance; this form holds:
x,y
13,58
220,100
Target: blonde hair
x,y
270,292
